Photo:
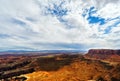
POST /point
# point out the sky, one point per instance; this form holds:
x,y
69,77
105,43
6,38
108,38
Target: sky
x,y
59,24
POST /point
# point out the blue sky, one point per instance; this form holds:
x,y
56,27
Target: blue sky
x,y
59,24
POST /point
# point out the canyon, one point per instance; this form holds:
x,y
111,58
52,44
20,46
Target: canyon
x,y
95,65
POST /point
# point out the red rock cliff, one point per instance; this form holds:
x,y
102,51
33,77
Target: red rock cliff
x,y
104,54
103,51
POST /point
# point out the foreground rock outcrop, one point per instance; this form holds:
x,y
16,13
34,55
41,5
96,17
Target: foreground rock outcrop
x,y
73,68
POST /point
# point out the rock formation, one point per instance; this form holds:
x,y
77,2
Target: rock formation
x,y
104,54
103,51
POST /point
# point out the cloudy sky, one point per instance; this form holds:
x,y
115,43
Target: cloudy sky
x,y
59,24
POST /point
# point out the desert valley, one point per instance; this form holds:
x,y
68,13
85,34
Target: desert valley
x,y
95,65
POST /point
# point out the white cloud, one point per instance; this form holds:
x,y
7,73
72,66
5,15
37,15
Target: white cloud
x,y
110,10
29,25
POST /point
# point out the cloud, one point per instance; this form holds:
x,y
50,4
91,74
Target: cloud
x,y
64,24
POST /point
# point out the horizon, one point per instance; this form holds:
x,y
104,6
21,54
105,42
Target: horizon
x,y
43,51
47,51
36,25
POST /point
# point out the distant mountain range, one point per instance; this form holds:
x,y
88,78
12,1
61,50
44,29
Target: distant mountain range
x,y
40,51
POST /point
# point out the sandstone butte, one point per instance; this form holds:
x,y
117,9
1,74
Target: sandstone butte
x,y
104,54
104,51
